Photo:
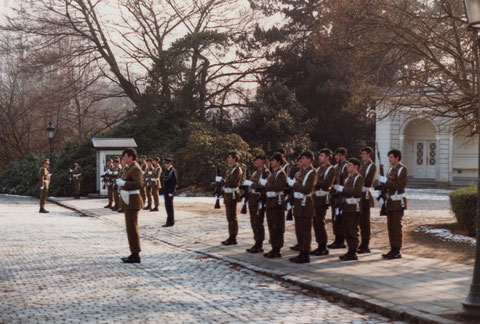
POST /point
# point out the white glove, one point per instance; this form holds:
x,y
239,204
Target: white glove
x,y
218,179
143,172
120,182
109,172
170,195
291,182
70,170
338,188
382,179
262,182
247,183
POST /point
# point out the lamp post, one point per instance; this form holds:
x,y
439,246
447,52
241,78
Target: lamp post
x,y
472,302
51,134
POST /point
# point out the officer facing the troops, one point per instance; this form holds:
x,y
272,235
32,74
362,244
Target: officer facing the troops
x,y
231,195
130,185
352,192
148,183
77,179
44,184
255,203
143,167
368,171
156,185
340,175
169,188
109,182
325,179
303,210
395,183
274,187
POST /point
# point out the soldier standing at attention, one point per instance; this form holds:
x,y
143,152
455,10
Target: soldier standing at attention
x,y
255,203
303,210
130,185
351,192
44,184
395,183
116,175
156,185
169,188
123,169
148,184
340,175
274,188
290,171
109,182
232,181
325,179
368,171
77,179
143,167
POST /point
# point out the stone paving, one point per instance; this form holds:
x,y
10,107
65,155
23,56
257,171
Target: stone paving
x,y
60,267
412,288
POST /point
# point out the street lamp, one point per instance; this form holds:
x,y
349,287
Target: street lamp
x,y
472,303
51,134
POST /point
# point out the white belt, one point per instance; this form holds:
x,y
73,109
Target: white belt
x,y
155,180
255,192
397,197
366,190
353,201
77,175
125,194
299,195
273,194
230,190
321,193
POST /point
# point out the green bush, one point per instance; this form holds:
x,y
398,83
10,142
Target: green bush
x,y
464,204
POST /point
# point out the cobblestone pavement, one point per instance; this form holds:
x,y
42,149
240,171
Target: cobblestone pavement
x,y
59,267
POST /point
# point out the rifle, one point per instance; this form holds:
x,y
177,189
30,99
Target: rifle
x,y
289,199
216,185
263,193
245,194
70,175
338,203
382,198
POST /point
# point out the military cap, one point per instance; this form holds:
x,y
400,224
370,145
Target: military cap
x,y
144,157
149,160
116,159
45,161
157,159
354,161
341,150
167,160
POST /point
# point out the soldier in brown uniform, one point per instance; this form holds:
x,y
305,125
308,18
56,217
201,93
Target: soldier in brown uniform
x,y
130,185
290,171
77,179
340,175
325,179
143,167
116,175
274,187
156,185
44,184
231,195
368,171
109,182
255,203
351,194
123,169
148,183
395,183
303,209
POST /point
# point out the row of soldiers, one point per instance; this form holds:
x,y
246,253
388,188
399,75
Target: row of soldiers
x,y
345,188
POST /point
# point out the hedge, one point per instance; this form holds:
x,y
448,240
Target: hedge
x,y
464,204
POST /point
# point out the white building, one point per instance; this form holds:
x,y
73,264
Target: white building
x,y
432,149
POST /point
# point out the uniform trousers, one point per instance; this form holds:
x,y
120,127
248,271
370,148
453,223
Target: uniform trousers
x,y
131,222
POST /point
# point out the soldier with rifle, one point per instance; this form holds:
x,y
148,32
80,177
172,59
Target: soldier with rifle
x,y
337,204
76,174
296,171
325,179
382,197
255,202
290,171
245,191
148,184
156,184
368,171
231,195
275,202
143,167
44,183
116,174
107,180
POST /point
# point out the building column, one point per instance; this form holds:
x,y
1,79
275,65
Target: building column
x,y
443,164
450,164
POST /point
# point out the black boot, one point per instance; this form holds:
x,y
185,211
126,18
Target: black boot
x,y
120,210
257,248
321,250
339,243
274,253
230,241
303,257
133,258
154,209
395,254
294,248
108,206
349,256
387,255
364,247
114,208
43,211
148,207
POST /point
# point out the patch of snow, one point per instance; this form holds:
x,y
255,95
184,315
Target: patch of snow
x,y
446,235
19,196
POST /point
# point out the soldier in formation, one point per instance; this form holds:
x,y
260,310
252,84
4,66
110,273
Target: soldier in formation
x,y
77,179
155,183
147,183
44,183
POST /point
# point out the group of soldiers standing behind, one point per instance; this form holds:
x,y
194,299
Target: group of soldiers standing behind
x,y
345,188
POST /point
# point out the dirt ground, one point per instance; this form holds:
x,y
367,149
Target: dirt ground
x,y
433,213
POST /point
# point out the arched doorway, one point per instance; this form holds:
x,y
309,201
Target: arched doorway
x,y
420,148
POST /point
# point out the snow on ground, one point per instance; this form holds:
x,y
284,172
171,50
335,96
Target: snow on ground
x,y
446,235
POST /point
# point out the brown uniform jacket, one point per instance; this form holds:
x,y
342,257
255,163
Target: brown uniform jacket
x,y
78,172
147,177
233,179
325,179
352,189
43,178
396,183
276,182
341,173
262,173
133,178
305,185
155,179
369,179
